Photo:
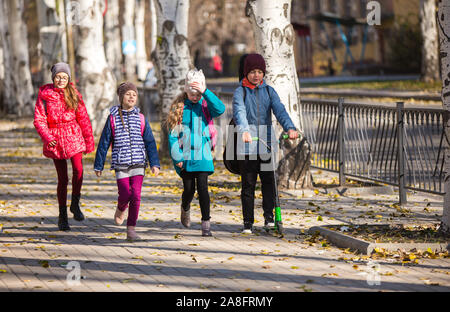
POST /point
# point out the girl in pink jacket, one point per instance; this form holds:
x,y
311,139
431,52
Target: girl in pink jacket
x,y
61,119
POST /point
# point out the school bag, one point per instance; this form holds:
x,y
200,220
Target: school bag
x,y
210,122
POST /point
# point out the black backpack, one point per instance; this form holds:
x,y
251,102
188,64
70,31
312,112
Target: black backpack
x,y
232,164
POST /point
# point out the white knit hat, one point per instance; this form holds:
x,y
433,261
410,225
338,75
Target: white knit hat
x,y
194,75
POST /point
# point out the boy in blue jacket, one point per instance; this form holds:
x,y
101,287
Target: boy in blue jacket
x,y
253,104
133,145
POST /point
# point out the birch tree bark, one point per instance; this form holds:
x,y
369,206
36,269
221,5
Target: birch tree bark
x,y
51,36
141,55
443,21
129,35
274,37
6,86
430,59
113,49
171,57
96,80
153,20
18,88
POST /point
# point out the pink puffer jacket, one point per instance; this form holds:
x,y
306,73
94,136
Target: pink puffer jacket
x,y
71,129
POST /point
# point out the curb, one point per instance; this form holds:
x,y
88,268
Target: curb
x,y
366,248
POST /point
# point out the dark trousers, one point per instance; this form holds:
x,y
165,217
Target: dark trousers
x,y
250,169
189,180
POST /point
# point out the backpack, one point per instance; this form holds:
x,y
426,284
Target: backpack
x,y
232,164
141,116
210,122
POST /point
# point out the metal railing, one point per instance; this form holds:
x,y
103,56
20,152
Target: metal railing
x,y
363,141
389,144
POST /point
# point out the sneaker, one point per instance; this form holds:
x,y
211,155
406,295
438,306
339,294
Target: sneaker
x,y
248,228
269,225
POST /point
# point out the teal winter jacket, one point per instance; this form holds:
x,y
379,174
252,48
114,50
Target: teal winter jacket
x,y
190,142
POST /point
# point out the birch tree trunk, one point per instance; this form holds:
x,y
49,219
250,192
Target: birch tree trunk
x,y
96,80
128,35
154,26
172,59
430,59
113,49
6,87
51,36
141,55
443,21
274,36
18,88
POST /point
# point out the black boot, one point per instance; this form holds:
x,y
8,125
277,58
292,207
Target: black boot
x,y
75,208
63,223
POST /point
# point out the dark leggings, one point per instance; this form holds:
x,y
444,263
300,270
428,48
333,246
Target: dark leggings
x,y
189,179
63,179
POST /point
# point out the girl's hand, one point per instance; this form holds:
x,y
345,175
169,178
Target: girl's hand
x,y
179,165
98,173
155,170
52,143
246,137
198,87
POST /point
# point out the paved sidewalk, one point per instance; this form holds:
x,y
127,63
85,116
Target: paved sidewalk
x,y
34,255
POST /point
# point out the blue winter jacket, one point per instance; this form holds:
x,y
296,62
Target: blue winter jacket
x,y
245,114
190,142
128,147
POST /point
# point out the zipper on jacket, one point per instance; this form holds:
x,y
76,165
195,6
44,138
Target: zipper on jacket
x,y
129,136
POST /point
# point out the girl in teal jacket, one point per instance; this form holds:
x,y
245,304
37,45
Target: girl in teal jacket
x,y
191,141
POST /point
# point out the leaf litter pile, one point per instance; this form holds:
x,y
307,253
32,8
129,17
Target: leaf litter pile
x,y
398,233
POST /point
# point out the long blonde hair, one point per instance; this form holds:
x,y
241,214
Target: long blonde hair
x,y
175,115
71,97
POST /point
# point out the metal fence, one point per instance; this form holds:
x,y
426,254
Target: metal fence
x,y
390,144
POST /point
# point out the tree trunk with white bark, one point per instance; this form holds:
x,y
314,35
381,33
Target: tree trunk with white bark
x,y
113,48
129,35
275,36
430,47
96,80
443,21
17,85
51,36
171,57
141,54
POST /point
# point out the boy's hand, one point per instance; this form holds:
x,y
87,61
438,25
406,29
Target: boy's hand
x,y
246,137
180,164
98,173
293,134
155,170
